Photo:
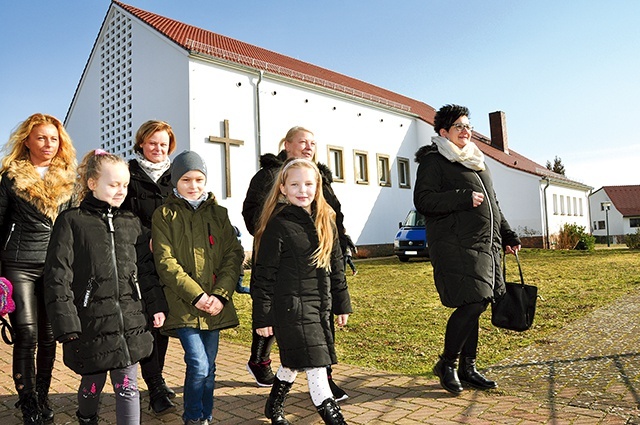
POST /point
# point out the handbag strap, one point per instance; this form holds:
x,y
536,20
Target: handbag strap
x,y
504,267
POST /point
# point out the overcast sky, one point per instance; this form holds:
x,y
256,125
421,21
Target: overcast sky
x,y
564,72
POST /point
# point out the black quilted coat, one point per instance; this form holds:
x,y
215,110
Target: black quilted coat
x,y
465,243
295,297
262,183
144,195
96,272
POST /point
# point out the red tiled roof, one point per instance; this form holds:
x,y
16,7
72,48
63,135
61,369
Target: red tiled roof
x,y
205,42
626,199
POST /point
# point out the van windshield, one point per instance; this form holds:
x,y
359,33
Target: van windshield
x,y
414,219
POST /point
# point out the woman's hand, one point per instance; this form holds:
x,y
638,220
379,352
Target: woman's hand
x,y
265,332
477,198
158,320
512,249
342,319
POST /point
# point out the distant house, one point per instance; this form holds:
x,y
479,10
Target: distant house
x,y
620,207
232,102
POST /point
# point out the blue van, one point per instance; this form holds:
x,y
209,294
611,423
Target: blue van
x,y
411,239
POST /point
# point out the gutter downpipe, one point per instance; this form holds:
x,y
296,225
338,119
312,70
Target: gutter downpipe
x,y
258,129
546,214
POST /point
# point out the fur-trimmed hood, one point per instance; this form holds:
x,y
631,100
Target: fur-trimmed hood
x,y
424,151
47,194
270,161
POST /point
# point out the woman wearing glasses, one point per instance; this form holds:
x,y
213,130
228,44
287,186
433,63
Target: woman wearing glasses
x,y
467,233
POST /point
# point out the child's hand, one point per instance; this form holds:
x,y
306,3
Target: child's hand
x,y
265,332
158,320
342,319
203,303
215,305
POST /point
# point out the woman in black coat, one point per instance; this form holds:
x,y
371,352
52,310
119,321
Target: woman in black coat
x,y
298,143
149,187
38,176
466,232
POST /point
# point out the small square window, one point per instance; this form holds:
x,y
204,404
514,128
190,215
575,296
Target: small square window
x,y
404,173
361,167
336,163
384,171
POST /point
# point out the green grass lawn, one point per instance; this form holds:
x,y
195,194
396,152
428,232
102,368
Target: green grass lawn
x,y
398,322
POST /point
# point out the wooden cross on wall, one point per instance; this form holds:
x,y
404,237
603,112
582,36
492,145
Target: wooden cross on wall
x,y
227,160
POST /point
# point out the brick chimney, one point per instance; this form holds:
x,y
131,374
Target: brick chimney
x,y
498,127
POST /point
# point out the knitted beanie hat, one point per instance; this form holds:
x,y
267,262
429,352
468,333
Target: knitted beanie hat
x,y
185,162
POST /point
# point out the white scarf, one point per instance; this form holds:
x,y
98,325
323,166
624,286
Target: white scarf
x,y
154,170
470,155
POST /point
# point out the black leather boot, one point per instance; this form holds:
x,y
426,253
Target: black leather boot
x,y
31,414
469,375
330,412
259,364
42,389
159,400
445,369
274,408
92,420
167,389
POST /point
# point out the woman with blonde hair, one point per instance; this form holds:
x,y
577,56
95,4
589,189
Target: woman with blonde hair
x,y
149,187
38,176
299,282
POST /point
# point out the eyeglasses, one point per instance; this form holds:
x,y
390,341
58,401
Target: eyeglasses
x,y
460,127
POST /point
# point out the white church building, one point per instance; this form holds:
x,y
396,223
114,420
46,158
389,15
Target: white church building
x,y
232,102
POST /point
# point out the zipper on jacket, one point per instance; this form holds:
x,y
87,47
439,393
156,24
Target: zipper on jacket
x,y
133,278
13,226
112,232
488,199
88,293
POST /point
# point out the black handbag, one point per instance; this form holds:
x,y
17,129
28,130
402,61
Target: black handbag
x,y
516,309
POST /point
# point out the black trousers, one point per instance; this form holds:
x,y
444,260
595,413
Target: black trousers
x,y
31,326
461,337
153,365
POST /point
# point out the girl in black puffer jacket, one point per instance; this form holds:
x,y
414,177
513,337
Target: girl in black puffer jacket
x,y
98,268
299,281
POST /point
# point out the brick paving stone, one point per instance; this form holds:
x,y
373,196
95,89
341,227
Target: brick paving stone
x,y
586,373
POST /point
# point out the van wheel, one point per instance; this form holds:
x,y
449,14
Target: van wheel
x,y
403,259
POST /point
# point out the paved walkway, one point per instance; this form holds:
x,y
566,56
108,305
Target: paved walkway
x,y
587,373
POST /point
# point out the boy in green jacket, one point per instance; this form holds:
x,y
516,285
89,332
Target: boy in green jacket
x,y
198,259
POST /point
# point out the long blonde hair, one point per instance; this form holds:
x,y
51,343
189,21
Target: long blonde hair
x,y
16,149
325,217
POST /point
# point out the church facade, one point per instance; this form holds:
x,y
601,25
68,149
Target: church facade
x,y
232,102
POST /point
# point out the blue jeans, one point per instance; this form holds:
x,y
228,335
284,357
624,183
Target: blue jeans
x,y
200,351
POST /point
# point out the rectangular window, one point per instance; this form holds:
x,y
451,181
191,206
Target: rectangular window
x,y
336,163
555,204
562,204
601,225
361,167
580,205
404,173
575,206
634,222
384,171
568,205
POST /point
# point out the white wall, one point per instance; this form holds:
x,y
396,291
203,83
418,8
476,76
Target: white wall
x,y
618,225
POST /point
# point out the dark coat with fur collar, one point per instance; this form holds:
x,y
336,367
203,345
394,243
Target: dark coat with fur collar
x,y
465,243
261,185
29,206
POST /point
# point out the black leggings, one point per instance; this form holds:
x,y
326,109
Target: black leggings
x,y
31,326
461,337
153,365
